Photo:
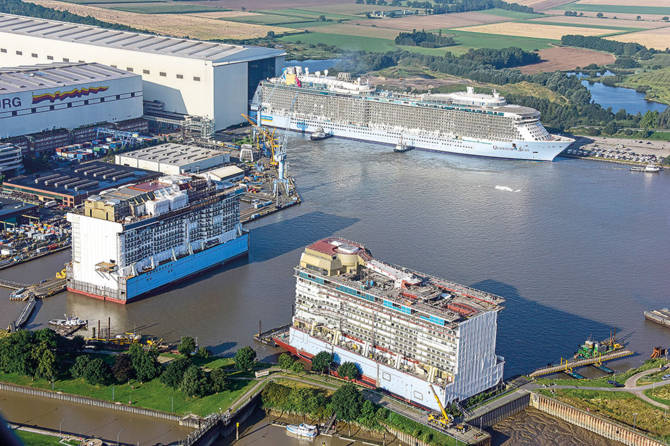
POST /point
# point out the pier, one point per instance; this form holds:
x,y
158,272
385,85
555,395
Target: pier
x,y
24,315
39,290
568,365
10,284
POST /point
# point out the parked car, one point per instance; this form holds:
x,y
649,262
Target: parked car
x,y
614,383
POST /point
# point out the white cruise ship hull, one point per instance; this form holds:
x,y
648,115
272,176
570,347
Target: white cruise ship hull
x,y
524,150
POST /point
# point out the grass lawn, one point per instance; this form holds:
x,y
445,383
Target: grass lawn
x,y
163,8
152,394
314,14
511,14
496,41
531,89
660,394
621,9
658,82
583,25
662,60
352,43
619,406
33,439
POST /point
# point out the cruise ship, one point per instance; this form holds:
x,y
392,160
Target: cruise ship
x,y
130,241
463,122
411,334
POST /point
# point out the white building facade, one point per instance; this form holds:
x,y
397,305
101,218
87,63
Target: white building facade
x,y
408,333
206,79
44,97
11,160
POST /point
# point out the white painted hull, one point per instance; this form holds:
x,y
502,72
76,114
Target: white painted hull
x,y
525,150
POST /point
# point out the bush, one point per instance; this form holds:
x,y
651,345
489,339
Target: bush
x,y
186,346
194,382
79,367
97,372
297,367
285,361
123,368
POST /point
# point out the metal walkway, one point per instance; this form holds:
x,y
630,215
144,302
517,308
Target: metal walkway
x,y
580,363
4,283
25,314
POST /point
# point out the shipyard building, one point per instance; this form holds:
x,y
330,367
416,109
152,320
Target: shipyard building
x,y
11,160
406,331
190,77
43,97
173,158
130,241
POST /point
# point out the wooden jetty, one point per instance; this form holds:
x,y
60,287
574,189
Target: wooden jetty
x,y
580,363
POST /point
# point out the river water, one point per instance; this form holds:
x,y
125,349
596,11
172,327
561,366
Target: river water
x,y
577,248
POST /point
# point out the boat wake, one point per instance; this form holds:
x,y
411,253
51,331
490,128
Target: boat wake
x,y
506,189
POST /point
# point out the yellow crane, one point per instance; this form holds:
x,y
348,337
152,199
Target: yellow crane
x,y
264,137
443,419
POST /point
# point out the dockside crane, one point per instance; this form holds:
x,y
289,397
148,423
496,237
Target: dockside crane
x,y
443,419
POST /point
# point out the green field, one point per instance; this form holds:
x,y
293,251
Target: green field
x,y
33,439
313,14
346,43
112,2
497,41
657,81
659,60
582,25
576,6
163,8
511,14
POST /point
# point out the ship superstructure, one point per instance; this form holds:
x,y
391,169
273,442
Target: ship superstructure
x,y
130,241
462,122
405,330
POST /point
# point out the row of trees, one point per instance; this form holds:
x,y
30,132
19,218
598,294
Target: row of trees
x,y
449,6
424,39
611,46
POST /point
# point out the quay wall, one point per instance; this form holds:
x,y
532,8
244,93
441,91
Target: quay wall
x,y
607,428
498,414
95,402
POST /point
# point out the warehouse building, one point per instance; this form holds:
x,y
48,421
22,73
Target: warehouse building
x,y
71,185
173,159
226,174
38,98
205,79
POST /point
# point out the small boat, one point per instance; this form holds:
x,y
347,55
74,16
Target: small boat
x,y
71,321
303,430
401,147
319,134
649,168
18,294
661,317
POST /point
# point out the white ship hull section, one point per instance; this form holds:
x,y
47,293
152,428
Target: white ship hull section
x,y
526,150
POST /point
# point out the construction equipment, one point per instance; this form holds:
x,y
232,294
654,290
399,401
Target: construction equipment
x,y
442,419
658,352
62,274
264,140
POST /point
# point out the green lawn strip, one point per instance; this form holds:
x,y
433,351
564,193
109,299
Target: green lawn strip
x,y
34,439
584,25
602,381
95,2
303,25
163,8
656,82
313,13
621,9
267,19
353,43
511,14
497,41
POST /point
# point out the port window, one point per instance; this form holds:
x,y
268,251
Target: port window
x,y
51,107
102,99
3,50
118,96
69,105
145,72
130,69
132,95
33,110
196,78
34,55
180,76
86,102
14,113
65,59
50,58
162,73
19,53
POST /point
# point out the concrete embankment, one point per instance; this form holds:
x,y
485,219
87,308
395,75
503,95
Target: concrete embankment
x,y
594,423
500,409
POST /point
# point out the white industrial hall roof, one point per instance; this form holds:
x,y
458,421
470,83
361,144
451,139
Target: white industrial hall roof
x,y
36,77
173,154
132,41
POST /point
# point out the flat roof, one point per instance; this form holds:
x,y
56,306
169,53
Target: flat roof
x,y
225,171
60,74
9,207
132,41
88,178
173,154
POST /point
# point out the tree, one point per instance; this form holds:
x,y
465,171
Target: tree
x,y
79,366
297,367
244,358
122,368
173,374
321,362
611,128
203,352
348,370
665,19
218,380
46,362
322,18
285,361
347,402
600,15
97,372
146,368
194,382
186,346
368,416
